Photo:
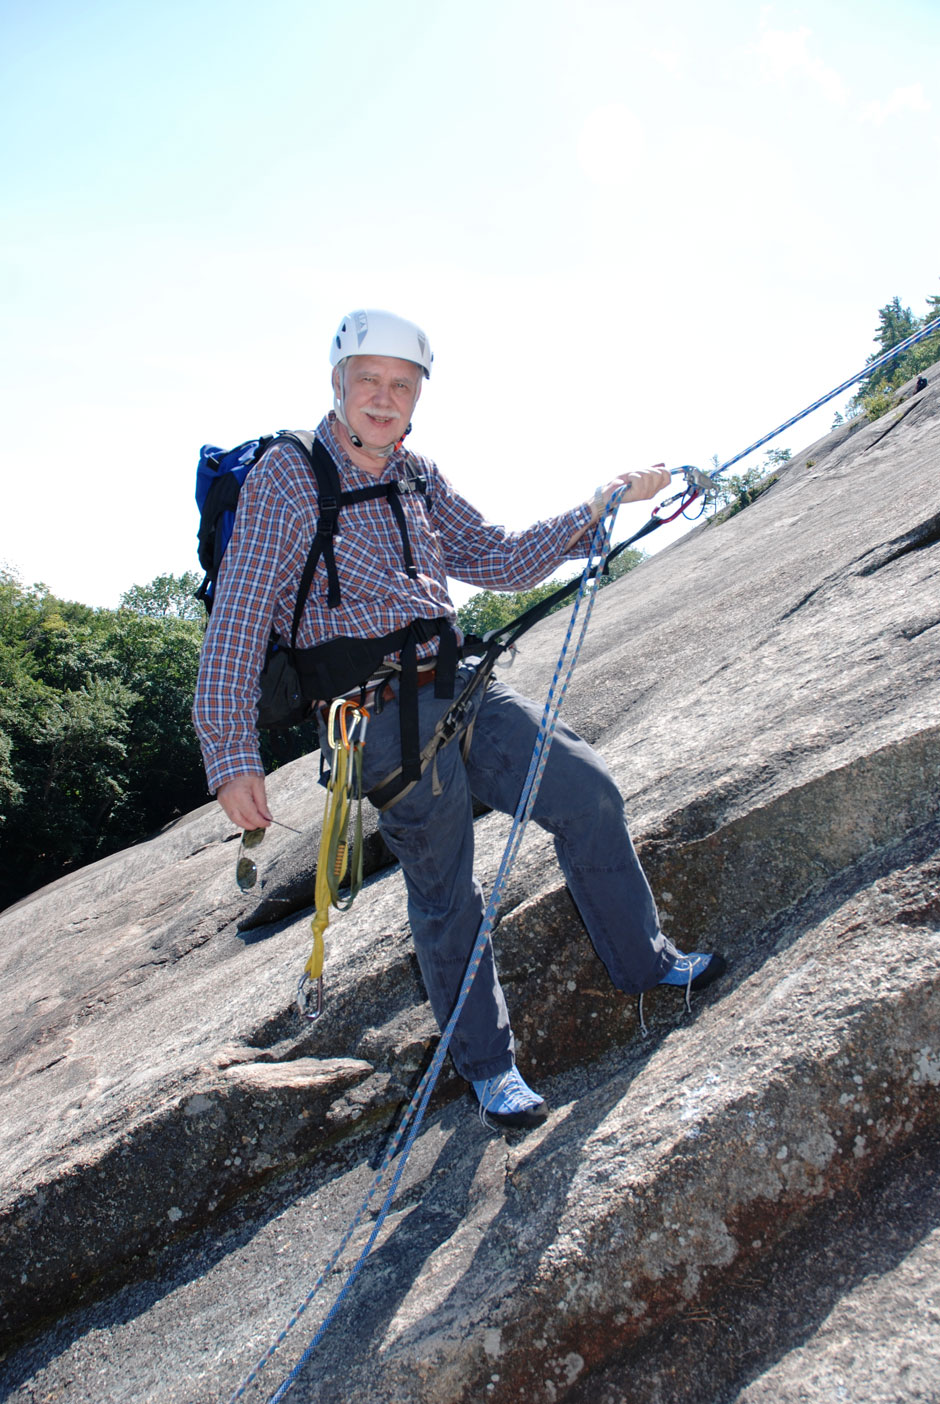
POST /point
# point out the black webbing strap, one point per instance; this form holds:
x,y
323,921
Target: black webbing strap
x,y
328,502
506,635
445,680
394,501
487,650
448,656
454,722
409,732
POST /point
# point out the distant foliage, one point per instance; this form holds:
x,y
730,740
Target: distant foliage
x,y
97,748
739,490
878,391
167,597
491,609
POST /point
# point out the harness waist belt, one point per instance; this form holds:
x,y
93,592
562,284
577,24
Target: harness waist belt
x,y
385,693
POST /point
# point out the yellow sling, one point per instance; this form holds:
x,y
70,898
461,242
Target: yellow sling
x,y
346,741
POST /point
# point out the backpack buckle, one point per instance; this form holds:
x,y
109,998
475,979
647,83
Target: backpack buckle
x,y
329,506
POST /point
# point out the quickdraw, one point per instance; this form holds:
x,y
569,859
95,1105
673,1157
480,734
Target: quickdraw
x,y
346,735
697,485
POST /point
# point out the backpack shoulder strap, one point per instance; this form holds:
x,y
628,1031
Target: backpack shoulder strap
x,y
329,501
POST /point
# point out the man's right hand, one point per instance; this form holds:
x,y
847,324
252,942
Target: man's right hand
x,y
245,801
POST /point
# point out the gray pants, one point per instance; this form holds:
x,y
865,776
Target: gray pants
x,y
432,837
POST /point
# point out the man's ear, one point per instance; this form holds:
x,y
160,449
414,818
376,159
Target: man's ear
x,y
337,383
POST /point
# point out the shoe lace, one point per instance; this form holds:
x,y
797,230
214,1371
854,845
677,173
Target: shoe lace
x,y
508,1091
686,966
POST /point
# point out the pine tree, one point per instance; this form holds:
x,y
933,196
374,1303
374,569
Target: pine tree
x,y
896,324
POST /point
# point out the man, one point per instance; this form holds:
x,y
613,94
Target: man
x,y
380,363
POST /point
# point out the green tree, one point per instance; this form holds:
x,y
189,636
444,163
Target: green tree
x,y
927,352
775,458
65,719
10,790
491,609
167,597
97,747
739,490
876,393
895,324
158,658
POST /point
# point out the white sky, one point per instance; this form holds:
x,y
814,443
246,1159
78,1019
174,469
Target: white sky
x,y
631,237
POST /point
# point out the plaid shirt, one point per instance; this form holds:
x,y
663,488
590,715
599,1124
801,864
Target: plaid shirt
x,y
260,573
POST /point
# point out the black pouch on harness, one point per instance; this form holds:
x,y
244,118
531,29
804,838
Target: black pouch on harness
x,y
283,702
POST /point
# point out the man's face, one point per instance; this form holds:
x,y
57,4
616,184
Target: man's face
x,y
380,394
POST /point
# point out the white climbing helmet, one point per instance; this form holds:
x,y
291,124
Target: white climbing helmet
x,y
371,332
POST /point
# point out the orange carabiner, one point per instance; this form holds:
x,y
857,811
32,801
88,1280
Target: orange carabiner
x,y
359,719
351,716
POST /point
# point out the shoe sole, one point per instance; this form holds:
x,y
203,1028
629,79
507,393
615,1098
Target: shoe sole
x,y
517,1121
715,968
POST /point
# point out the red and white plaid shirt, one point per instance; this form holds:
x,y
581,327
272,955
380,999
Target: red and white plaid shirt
x,y
260,574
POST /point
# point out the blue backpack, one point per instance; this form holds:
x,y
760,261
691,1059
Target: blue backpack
x,y
219,478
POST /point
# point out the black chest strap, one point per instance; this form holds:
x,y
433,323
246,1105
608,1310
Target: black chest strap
x,y
331,499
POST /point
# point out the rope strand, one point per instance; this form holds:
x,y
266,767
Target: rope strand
x,y
912,340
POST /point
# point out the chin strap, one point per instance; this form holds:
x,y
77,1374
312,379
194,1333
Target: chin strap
x,y
387,449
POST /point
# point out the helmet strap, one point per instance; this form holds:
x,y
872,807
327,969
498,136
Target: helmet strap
x,y
341,416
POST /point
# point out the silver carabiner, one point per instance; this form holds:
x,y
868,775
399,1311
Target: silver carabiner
x,y
310,997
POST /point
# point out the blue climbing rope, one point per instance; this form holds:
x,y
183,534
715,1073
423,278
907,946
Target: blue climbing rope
x,y
414,1113
698,483
846,385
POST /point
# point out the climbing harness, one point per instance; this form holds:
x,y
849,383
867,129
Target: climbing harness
x,y
407,1130
346,735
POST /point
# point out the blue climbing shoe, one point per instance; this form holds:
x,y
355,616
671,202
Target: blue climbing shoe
x,y
695,971
505,1100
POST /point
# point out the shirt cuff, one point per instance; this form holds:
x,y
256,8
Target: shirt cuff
x,y
581,519
229,764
